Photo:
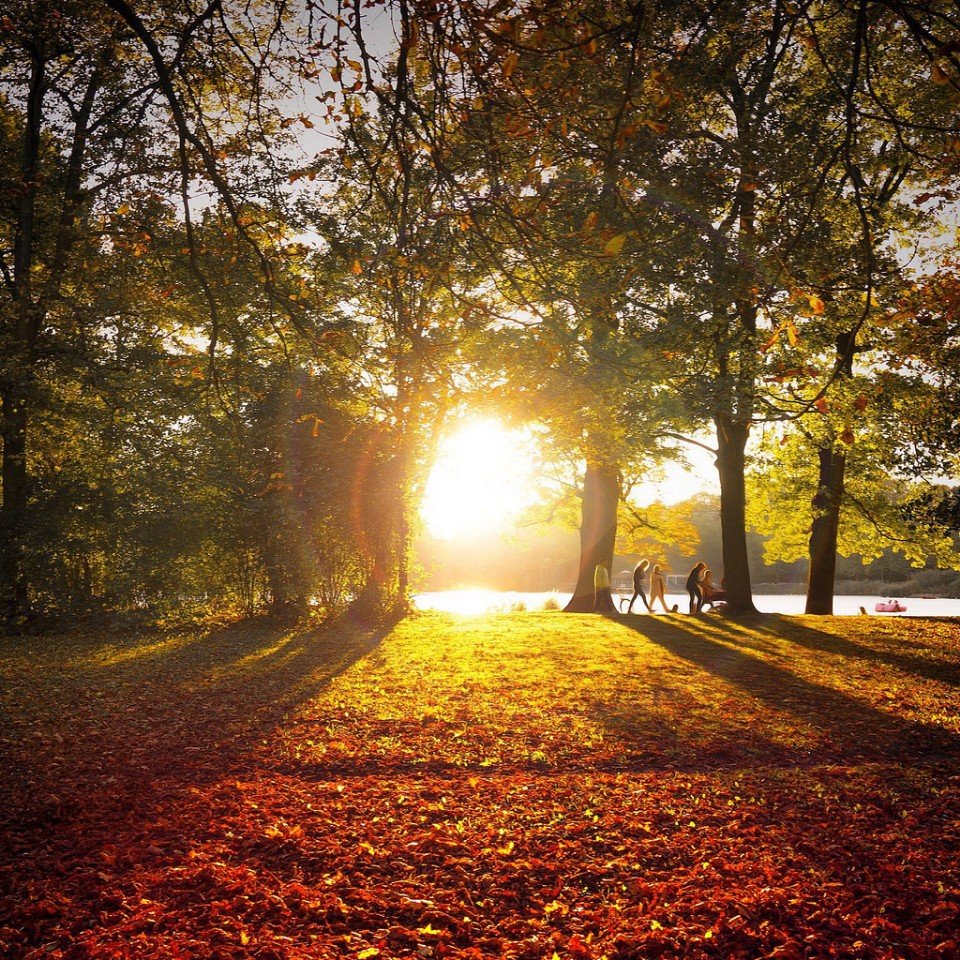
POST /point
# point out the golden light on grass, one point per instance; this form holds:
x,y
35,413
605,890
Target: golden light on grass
x,y
482,479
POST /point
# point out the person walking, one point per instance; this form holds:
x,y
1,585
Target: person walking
x,y
639,572
657,587
693,586
602,600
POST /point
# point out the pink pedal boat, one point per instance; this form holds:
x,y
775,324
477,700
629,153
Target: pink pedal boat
x,y
890,606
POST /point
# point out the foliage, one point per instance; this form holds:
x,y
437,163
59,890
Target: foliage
x,y
879,511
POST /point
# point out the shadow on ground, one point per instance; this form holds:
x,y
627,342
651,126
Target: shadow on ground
x,y
94,725
744,654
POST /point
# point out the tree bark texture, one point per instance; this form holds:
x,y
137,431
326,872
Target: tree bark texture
x,y
824,531
598,530
731,441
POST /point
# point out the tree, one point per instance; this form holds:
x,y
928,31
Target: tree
x,y
91,91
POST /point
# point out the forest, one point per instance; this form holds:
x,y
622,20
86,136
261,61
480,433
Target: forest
x,y
255,258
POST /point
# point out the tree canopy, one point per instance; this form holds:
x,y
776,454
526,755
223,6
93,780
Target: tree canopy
x,y
255,256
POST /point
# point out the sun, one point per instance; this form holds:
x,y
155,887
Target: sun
x,y
482,479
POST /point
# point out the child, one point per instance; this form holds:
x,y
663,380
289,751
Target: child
x,y
602,600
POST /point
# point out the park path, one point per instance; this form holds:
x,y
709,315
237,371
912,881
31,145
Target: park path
x,y
516,785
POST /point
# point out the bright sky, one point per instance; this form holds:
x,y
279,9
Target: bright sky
x,y
482,479
486,475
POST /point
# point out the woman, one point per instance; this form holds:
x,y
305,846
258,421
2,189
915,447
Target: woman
x,y
711,593
639,572
693,587
657,587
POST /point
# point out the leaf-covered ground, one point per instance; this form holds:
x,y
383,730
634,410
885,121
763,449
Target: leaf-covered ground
x,y
519,785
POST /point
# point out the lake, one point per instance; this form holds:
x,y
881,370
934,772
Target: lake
x,y
478,601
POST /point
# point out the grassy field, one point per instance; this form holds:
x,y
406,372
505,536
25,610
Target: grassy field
x,y
533,785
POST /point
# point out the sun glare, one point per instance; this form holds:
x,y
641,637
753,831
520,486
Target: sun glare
x,y
482,479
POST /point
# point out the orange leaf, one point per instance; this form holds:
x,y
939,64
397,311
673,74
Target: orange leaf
x,y
774,337
822,405
510,64
356,269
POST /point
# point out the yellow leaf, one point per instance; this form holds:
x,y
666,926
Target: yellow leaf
x,y
816,304
589,225
656,925
774,337
354,65
123,209
369,952
792,335
510,64
615,244
429,930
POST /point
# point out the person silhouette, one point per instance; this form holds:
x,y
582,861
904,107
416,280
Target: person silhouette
x,y
657,588
639,572
693,586
602,601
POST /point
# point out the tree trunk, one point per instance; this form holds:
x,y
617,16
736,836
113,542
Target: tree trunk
x,y
824,531
598,530
15,376
731,441
13,581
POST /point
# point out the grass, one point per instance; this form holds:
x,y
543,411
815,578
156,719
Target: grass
x,y
517,785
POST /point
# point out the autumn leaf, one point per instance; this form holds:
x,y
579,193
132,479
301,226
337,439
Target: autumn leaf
x,y
356,268
816,304
821,404
510,64
938,75
615,245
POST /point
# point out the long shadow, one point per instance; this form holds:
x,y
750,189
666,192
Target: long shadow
x,y
791,630
803,635
167,712
859,731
